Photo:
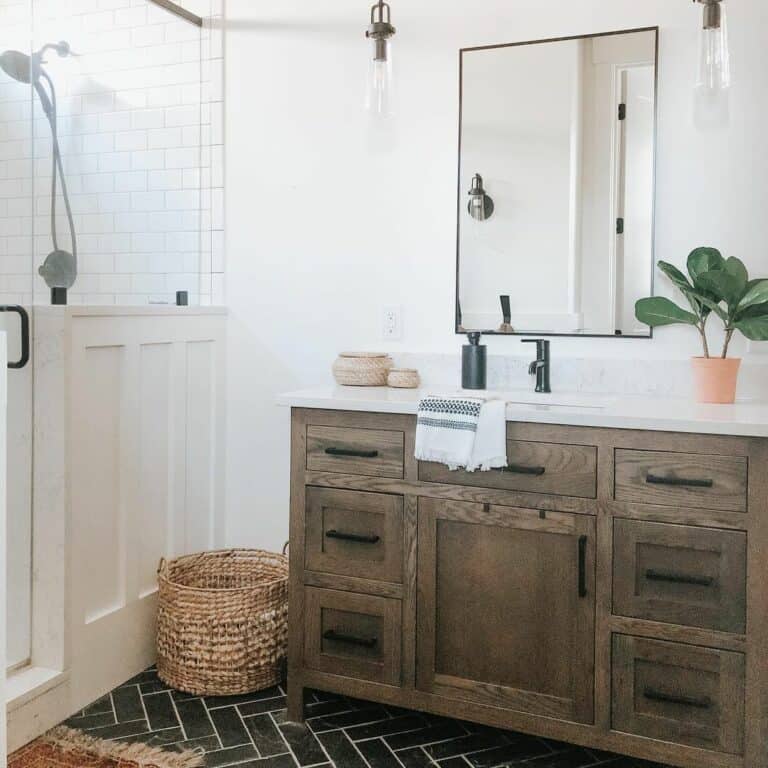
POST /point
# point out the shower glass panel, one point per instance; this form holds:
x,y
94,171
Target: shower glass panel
x,y
128,116
110,192
16,288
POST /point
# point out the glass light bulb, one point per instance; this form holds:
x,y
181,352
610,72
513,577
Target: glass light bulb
x,y
714,69
477,207
379,93
713,75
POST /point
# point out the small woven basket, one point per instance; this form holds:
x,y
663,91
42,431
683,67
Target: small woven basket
x,y
362,369
222,625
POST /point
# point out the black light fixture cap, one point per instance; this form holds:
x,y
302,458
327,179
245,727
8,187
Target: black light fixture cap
x,y
381,27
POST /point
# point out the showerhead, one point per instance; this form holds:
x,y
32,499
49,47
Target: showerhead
x,y
17,65
26,69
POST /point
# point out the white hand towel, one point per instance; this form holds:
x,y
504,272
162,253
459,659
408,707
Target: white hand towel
x,y
446,427
490,448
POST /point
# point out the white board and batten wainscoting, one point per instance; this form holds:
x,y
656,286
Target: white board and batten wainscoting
x,y
129,441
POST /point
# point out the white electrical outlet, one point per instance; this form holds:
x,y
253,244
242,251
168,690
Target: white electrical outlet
x,y
391,323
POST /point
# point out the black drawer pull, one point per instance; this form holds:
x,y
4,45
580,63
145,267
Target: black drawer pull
x,y
583,566
340,637
679,578
678,481
683,701
351,452
521,469
356,537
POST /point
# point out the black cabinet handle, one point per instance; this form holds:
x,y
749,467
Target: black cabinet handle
x,y
583,566
678,578
24,318
521,469
678,481
340,637
356,537
352,453
684,701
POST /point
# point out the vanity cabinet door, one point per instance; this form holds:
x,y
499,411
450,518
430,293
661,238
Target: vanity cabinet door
x,y
506,607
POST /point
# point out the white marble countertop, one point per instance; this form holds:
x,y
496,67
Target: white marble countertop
x,y
747,418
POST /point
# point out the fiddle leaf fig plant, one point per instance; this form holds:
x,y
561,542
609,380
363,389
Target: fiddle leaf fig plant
x,y
714,285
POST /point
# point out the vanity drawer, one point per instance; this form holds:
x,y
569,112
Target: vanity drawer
x,y
374,452
682,479
353,635
680,575
554,468
351,533
678,693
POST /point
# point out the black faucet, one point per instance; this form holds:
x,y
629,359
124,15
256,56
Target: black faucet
x,y
541,365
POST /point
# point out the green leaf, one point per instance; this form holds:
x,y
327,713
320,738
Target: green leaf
x,y
756,293
676,276
713,305
735,267
658,310
723,285
756,310
703,260
754,328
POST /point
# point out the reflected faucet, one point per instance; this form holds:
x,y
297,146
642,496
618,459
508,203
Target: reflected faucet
x,y
540,367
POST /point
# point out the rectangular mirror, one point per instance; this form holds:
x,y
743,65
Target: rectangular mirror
x,y
556,185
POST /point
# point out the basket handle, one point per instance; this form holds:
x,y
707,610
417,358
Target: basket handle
x,y
161,565
286,547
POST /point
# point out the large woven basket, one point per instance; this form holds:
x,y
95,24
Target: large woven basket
x,y
222,623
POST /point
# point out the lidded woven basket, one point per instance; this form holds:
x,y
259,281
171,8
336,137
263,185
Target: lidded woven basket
x,y
222,625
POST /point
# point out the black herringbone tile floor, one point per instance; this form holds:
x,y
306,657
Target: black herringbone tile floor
x,y
250,731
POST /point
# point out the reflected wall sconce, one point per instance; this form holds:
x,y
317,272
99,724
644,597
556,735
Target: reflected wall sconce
x,y
480,206
380,32
714,64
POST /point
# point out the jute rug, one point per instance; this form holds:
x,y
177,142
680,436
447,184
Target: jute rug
x,y
66,748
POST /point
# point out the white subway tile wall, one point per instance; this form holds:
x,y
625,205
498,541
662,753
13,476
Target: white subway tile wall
x,y
140,124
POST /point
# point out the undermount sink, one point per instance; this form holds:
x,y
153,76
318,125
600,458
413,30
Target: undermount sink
x,y
554,400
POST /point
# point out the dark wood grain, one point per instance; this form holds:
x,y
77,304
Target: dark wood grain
x,y
511,574
384,448
426,681
375,518
680,575
704,688
377,619
566,470
728,475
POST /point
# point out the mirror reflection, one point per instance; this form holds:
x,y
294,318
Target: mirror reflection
x,y
556,187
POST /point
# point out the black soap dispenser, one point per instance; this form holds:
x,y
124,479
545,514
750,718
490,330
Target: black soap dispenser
x,y
474,363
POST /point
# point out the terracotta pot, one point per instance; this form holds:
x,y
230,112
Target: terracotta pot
x,y
716,378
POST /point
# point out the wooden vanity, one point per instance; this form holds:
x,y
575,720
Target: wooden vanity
x,y
609,588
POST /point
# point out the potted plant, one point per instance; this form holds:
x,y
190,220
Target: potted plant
x,y
720,287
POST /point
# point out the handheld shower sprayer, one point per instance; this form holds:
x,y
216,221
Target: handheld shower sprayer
x,y
60,267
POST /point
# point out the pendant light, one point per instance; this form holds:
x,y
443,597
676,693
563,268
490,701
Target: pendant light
x,y
713,71
379,91
714,66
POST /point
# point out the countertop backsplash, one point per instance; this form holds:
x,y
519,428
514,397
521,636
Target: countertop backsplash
x,y
659,378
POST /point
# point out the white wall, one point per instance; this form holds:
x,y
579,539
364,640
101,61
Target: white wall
x,y
323,228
